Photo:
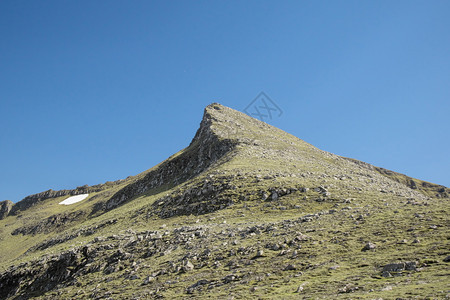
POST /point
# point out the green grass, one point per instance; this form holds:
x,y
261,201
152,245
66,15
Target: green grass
x,y
328,261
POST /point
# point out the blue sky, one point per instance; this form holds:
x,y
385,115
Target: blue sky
x,y
92,91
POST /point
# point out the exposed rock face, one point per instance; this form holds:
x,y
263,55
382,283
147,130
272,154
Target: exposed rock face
x,y
67,236
201,199
5,208
42,275
111,254
50,224
205,149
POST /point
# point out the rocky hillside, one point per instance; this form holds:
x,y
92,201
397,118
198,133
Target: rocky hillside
x,y
245,211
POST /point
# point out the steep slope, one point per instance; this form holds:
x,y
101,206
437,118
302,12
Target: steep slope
x,y
41,214
246,210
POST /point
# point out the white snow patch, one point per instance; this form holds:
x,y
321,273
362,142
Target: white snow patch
x,y
74,199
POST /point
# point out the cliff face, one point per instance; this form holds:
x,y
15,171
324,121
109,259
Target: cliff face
x,y
205,150
5,208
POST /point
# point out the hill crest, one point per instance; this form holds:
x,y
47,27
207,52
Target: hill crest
x,y
244,199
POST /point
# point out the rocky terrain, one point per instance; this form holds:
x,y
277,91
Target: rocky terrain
x,y
245,211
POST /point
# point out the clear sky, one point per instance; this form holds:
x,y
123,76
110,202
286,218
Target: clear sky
x,y
92,91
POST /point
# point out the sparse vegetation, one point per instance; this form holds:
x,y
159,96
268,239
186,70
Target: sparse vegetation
x,y
261,214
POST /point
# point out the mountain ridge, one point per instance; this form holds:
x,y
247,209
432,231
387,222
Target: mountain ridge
x,y
205,135
249,175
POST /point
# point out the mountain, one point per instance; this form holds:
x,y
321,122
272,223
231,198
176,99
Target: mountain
x,y
245,211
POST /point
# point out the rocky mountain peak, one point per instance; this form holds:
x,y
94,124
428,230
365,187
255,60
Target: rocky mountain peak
x,y
210,144
219,121
244,203
210,116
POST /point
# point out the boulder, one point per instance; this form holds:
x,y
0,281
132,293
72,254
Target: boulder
x,y
368,246
398,268
187,266
290,267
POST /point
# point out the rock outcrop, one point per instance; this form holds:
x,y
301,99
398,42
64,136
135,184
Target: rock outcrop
x,y
32,200
52,223
207,148
5,208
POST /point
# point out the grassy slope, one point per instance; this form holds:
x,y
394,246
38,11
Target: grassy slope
x,y
13,247
328,262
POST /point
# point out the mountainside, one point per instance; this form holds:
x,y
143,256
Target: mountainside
x,y
245,211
